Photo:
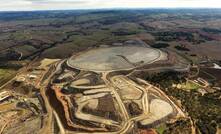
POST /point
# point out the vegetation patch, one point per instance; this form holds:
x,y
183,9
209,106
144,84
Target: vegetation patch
x,y
205,110
173,36
160,129
212,30
160,45
179,127
6,75
182,48
189,85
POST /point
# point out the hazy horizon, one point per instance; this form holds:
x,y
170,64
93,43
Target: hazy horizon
x,y
33,5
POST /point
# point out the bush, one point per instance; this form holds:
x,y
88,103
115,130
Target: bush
x,y
160,45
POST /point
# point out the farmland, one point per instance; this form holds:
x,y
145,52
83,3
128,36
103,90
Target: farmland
x,y
111,71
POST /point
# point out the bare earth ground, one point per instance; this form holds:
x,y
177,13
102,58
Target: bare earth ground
x,y
115,58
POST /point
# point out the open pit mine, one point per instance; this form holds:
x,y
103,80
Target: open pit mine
x,y
96,91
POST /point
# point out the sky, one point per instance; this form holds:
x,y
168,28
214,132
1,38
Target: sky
x,y
24,5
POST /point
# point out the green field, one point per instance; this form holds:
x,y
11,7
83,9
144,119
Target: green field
x,y
160,129
188,85
6,75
